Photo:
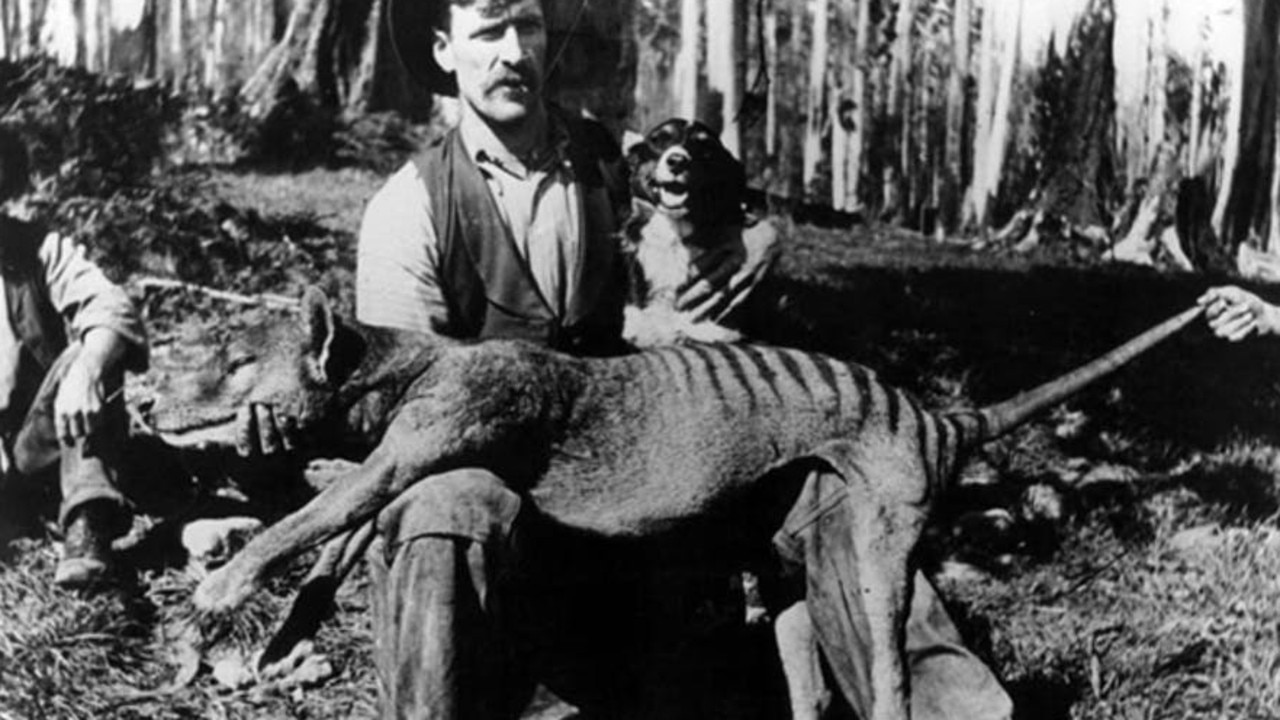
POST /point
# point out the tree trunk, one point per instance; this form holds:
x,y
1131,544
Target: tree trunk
x,y
214,58
953,164
846,100
770,33
262,90
1001,35
861,105
900,107
1077,175
817,87
1191,162
364,88
1245,195
723,78
687,59
1141,72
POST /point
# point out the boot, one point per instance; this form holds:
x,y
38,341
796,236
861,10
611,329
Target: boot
x,y
86,549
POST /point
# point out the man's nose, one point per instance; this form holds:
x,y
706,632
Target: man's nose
x,y
511,49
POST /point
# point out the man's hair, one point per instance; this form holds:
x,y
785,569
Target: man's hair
x,y
15,162
440,11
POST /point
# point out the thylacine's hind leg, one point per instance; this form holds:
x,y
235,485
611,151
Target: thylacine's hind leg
x,y
855,542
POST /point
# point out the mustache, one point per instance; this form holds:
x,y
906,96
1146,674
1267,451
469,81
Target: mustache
x,y
514,75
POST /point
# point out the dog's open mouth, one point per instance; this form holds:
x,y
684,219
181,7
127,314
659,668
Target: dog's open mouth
x,y
671,195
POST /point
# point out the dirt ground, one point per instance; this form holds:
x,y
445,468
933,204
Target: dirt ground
x,y
1129,572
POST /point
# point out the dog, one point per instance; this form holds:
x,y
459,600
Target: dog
x,y
688,193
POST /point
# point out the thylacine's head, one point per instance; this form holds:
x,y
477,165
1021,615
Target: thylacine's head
x,y
684,171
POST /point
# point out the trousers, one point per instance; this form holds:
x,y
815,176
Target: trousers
x,y
476,597
88,469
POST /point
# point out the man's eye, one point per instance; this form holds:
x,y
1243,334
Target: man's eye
x,y
239,361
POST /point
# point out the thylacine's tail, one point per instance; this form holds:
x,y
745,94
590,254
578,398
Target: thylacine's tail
x,y
970,428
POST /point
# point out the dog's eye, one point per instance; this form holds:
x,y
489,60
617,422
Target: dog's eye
x,y
664,135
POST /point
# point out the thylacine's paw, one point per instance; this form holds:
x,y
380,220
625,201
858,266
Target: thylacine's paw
x,y
321,472
224,590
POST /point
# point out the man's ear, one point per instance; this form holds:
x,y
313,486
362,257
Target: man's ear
x,y
442,51
320,328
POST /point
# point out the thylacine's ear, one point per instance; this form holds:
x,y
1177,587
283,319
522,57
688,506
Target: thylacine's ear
x,y
320,328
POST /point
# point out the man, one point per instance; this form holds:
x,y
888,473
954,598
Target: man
x,y
68,334
504,228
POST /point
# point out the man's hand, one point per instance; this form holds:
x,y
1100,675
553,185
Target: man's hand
x,y
1234,313
262,429
725,277
77,408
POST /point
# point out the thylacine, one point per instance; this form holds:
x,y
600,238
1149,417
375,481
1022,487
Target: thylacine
x,y
621,447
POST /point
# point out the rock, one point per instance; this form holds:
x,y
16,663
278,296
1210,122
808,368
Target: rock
x,y
1108,473
978,472
211,542
232,672
958,572
1041,503
1198,539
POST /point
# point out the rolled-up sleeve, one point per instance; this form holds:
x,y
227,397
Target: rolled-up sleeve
x,y
81,292
397,282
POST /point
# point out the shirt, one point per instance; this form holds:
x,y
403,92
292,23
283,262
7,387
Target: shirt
x,y
78,290
397,260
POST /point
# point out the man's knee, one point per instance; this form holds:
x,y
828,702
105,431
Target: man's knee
x,y
470,503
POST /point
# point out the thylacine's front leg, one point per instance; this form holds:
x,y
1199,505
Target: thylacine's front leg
x,y
408,453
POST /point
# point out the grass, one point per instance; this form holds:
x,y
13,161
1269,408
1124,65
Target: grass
x,y
1153,596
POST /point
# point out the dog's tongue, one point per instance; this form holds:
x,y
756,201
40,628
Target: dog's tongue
x,y
672,194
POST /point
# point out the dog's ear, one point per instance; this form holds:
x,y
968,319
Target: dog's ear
x,y
640,168
639,214
721,201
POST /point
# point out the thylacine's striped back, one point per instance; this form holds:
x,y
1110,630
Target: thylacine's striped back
x,y
788,398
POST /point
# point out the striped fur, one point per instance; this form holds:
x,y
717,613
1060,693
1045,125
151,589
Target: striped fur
x,y
628,446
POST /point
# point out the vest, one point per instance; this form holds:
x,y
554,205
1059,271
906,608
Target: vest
x,y
38,326
488,289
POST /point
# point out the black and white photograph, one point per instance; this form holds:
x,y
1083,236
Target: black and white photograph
x,y
639,359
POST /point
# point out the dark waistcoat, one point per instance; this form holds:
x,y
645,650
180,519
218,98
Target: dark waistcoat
x,y
487,286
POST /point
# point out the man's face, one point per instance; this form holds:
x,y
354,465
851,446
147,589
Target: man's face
x,y
496,50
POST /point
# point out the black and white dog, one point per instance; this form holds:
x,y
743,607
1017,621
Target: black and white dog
x,y
686,215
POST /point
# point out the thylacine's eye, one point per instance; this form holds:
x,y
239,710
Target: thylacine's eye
x,y
240,361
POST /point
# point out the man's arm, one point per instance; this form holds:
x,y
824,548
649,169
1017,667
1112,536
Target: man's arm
x,y
1234,313
397,259
103,320
725,278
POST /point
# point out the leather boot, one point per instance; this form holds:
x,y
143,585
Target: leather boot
x,y
86,549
